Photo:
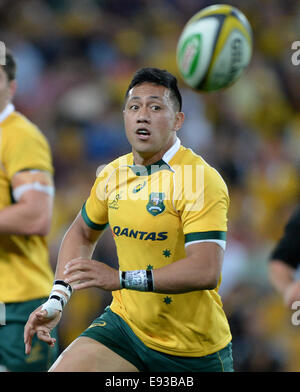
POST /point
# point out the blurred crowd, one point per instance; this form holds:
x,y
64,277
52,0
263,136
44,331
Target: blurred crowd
x,y
75,60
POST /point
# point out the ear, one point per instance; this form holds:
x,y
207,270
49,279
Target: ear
x,y
179,120
12,89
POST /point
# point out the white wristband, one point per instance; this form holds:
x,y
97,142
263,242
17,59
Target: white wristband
x,y
62,288
52,306
140,280
57,300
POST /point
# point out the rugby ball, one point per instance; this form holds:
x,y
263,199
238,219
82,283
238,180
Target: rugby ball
x,y
214,48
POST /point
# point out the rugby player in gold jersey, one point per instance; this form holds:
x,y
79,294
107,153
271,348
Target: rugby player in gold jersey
x,y
26,199
167,209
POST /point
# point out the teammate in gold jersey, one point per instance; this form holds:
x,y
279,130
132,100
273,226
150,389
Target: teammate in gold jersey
x,y
26,197
167,209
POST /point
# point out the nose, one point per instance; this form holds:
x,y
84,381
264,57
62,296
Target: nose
x,y
143,116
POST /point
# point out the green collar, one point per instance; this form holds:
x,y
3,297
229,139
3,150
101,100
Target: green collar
x,y
140,170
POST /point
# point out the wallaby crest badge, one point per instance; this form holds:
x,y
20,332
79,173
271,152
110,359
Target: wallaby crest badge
x,y
156,203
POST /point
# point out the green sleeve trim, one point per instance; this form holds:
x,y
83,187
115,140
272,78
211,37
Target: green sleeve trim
x,y
205,235
90,223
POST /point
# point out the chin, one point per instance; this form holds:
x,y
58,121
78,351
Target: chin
x,y
143,147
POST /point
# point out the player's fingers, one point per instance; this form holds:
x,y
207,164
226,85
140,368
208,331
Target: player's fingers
x,y
45,337
28,330
42,315
75,264
28,335
84,285
51,342
78,277
27,347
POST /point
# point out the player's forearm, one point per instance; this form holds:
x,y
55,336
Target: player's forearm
x,y
281,275
199,270
75,244
20,219
186,275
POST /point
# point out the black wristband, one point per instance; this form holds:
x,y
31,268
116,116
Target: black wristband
x,y
150,280
123,274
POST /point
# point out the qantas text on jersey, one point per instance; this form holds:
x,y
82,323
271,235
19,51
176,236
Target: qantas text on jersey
x,y
138,234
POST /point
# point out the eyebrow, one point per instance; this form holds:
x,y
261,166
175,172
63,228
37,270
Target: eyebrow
x,y
151,97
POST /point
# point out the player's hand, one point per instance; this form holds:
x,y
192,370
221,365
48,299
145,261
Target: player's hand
x,y
40,324
83,273
292,293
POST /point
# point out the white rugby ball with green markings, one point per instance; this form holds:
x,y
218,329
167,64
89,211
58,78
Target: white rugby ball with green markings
x,y
214,48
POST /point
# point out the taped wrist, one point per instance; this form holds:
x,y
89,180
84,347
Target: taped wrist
x,y
62,286
57,300
140,280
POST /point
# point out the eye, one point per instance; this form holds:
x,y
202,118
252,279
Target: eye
x,y
133,107
155,108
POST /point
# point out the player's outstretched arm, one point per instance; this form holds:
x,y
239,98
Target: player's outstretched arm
x,y
75,266
79,242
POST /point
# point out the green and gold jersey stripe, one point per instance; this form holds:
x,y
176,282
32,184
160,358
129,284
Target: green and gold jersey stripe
x,y
139,170
91,224
205,235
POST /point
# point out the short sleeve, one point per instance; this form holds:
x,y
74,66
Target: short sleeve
x,y
28,149
204,212
94,210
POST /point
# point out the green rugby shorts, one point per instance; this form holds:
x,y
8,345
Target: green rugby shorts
x,y
12,348
112,331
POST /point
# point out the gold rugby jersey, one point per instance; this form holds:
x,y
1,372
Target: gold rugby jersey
x,y
25,272
154,213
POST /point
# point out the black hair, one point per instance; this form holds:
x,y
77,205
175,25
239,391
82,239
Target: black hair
x,y
160,77
10,66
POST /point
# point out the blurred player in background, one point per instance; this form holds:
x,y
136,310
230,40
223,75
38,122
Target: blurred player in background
x,y
285,259
166,314
26,199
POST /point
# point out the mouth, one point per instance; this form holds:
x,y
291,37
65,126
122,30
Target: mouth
x,y
143,133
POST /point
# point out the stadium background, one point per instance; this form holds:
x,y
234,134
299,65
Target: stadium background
x,y
75,59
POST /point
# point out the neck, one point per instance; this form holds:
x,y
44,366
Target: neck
x,y
149,159
146,161
3,105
